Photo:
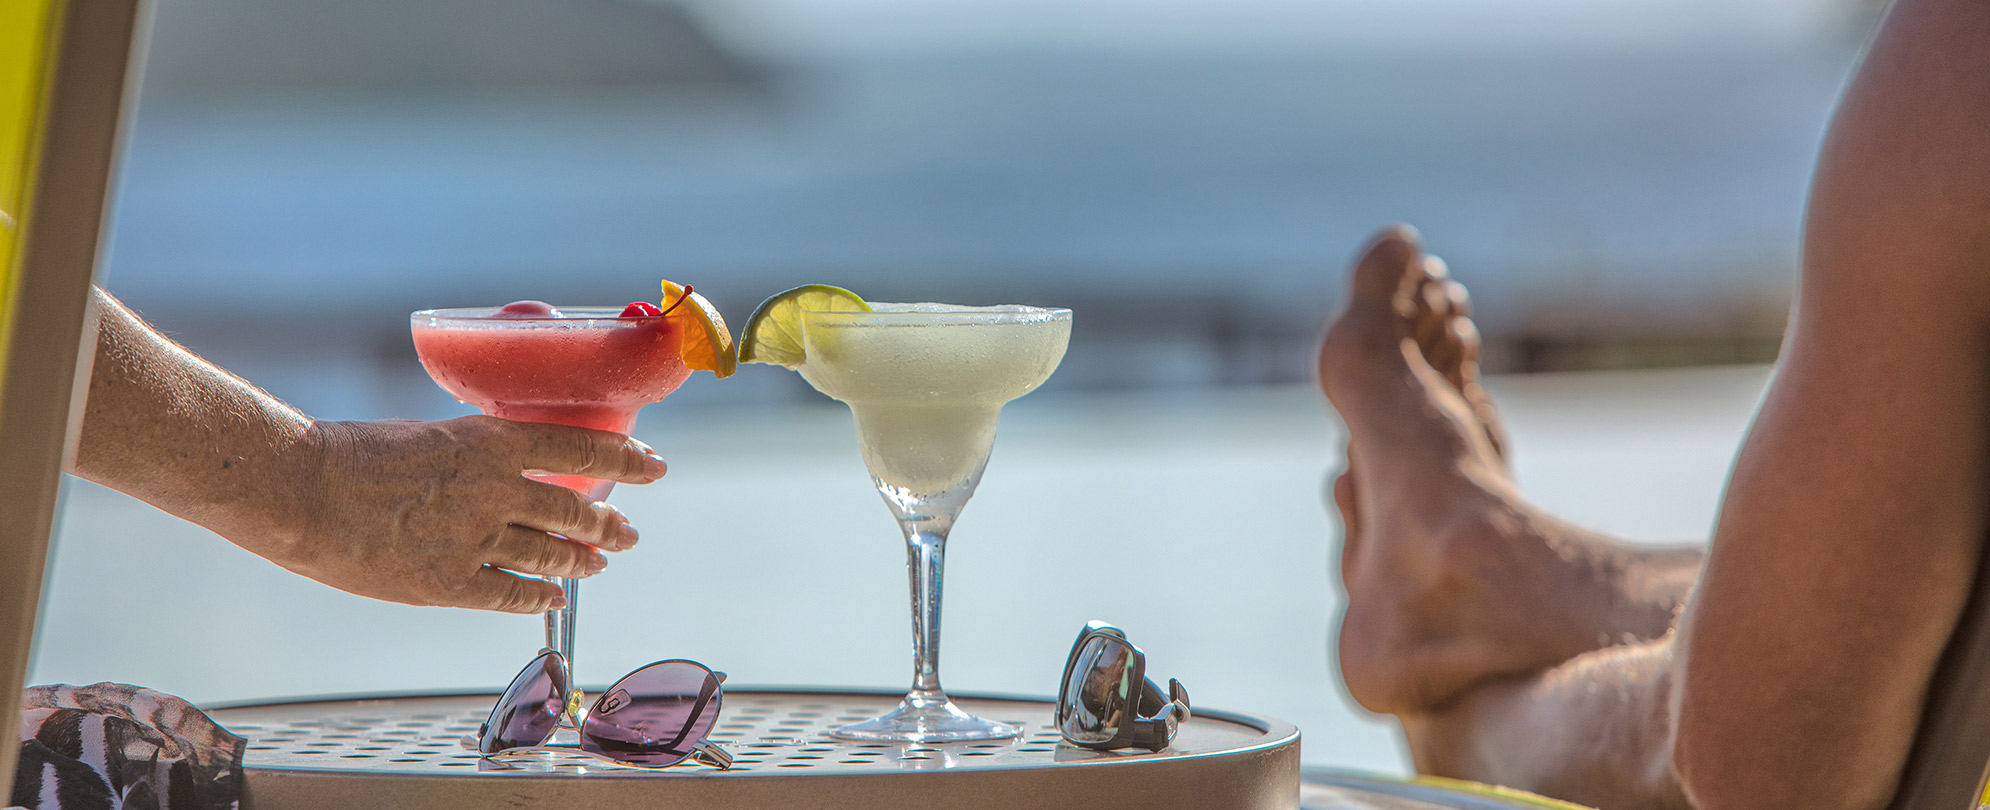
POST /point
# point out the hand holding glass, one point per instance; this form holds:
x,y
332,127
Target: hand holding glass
x,y
581,366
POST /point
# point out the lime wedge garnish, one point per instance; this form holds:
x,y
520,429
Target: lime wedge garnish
x,y
706,344
773,334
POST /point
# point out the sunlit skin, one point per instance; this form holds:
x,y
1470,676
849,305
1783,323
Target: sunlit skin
x,y
426,513
1516,648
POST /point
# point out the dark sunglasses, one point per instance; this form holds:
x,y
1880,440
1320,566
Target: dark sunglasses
x,y
1107,701
654,717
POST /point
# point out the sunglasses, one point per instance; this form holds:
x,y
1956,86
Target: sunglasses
x,y
1107,701
654,717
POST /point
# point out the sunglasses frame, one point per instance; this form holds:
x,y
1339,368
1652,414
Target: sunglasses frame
x,y
1155,717
705,752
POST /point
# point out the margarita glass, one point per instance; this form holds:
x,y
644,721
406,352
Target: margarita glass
x,y
925,384
582,366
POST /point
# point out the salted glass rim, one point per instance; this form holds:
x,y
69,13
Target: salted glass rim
x,y
999,313
582,314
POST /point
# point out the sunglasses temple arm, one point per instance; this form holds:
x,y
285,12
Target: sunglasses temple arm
x,y
1153,701
1160,727
704,696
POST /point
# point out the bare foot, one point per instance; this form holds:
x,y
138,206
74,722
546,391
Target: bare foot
x,y
1452,578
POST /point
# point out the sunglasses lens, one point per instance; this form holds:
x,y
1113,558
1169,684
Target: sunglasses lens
x,y
530,707
654,717
1098,692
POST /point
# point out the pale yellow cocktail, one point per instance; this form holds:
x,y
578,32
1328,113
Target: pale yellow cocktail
x,y
926,382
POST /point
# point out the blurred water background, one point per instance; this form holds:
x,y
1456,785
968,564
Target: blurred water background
x,y
1620,182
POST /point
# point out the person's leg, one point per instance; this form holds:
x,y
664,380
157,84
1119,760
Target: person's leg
x,y
1850,531
1452,577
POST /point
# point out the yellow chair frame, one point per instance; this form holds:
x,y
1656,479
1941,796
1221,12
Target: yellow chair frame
x,y
64,75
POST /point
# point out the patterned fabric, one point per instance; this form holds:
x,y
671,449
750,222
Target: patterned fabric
x,y
116,747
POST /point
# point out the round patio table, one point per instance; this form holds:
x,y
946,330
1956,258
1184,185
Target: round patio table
x,y
407,751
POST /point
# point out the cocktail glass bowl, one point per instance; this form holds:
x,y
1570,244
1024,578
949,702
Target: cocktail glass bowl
x,y
925,384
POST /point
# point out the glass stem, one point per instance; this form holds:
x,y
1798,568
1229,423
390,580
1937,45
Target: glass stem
x,y
925,560
560,623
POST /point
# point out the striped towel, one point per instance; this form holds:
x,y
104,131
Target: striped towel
x,y
111,746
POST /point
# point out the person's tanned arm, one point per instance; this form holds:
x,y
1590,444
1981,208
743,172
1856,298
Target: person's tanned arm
x,y
1856,513
428,513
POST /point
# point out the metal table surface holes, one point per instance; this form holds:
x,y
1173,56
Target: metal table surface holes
x,y
407,751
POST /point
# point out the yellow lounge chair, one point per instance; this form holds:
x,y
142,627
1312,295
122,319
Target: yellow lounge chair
x,y
63,80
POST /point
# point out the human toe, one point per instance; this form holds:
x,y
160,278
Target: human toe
x,y
1362,344
1380,273
1430,310
1465,336
1348,504
1445,332
1454,351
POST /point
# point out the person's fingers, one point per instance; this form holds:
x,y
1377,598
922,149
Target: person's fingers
x,y
562,511
503,591
530,551
600,454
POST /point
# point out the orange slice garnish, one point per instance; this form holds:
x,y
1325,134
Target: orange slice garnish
x,y
706,344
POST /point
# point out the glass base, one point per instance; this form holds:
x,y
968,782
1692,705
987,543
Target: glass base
x,y
939,722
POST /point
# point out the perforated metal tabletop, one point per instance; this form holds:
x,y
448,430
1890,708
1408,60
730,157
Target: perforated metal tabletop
x,y
405,752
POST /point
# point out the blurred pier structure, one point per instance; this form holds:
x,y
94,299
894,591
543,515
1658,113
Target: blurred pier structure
x,y
1619,186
